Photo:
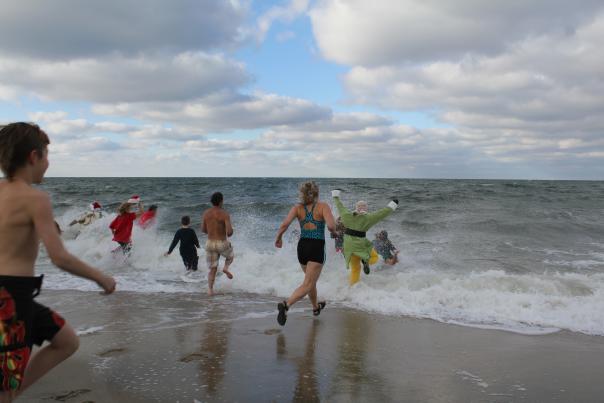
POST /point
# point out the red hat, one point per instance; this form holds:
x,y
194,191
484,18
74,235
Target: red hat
x,y
95,205
134,199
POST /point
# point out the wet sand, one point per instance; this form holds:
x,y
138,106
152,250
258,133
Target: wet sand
x,y
187,347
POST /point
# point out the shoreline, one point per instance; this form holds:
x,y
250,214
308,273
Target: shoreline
x,y
163,347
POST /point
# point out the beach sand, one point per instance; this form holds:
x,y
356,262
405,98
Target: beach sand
x,y
188,347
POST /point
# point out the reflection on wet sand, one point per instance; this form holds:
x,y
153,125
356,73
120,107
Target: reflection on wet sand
x,y
213,351
352,378
307,387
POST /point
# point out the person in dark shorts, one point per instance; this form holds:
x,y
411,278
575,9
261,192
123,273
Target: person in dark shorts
x,y
313,215
188,244
25,220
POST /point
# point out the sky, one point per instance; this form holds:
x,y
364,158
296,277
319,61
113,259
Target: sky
x,y
493,89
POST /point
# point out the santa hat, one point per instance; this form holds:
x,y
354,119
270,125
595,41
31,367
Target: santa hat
x,y
134,199
95,205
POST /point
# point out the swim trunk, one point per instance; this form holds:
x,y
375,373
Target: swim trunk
x,y
190,261
311,250
217,248
23,323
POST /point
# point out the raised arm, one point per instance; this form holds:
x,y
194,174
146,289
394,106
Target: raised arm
x,y
45,227
374,218
339,205
285,225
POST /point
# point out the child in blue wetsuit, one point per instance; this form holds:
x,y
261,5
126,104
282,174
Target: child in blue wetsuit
x,y
188,244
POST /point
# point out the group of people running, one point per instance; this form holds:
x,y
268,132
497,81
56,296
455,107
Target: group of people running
x,y
26,218
216,223
313,216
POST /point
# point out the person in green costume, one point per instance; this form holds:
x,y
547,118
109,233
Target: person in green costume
x,y
357,248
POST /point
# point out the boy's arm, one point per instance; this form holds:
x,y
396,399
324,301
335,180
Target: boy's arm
x,y
174,242
44,225
196,240
228,225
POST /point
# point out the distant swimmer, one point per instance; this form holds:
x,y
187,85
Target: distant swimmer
x,y
94,213
188,244
121,226
216,222
357,248
312,215
26,219
148,218
385,248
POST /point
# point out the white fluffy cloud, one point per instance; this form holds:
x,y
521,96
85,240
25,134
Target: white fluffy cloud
x,y
223,111
519,82
380,32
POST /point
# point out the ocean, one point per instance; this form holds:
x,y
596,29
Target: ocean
x,y
521,256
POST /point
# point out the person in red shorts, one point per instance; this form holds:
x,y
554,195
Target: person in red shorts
x,y
25,220
121,226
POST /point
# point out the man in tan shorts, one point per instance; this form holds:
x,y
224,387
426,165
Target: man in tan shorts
x,y
216,222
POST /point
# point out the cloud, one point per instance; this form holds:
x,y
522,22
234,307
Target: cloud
x,y
71,29
543,85
118,79
384,32
518,83
223,111
57,123
286,13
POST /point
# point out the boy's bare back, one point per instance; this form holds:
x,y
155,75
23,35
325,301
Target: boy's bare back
x,y
216,222
18,237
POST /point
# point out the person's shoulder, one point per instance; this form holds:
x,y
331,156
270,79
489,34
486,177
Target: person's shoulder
x,y
34,195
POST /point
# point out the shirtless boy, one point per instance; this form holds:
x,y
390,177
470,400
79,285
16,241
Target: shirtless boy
x,y
216,222
25,219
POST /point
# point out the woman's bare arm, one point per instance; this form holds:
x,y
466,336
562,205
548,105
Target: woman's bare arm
x,y
293,213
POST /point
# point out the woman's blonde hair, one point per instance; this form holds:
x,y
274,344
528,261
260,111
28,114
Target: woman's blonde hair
x,y
123,208
309,192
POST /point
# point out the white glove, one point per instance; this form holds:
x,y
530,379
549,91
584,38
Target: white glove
x,y
335,193
393,205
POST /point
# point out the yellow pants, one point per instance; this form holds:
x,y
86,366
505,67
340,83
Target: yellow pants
x,y
355,266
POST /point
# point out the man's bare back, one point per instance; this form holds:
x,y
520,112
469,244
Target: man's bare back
x,y
216,222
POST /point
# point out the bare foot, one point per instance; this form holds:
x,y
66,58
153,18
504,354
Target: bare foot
x,y
210,293
228,274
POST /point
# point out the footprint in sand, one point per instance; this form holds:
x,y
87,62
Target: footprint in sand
x,y
65,396
193,357
112,352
